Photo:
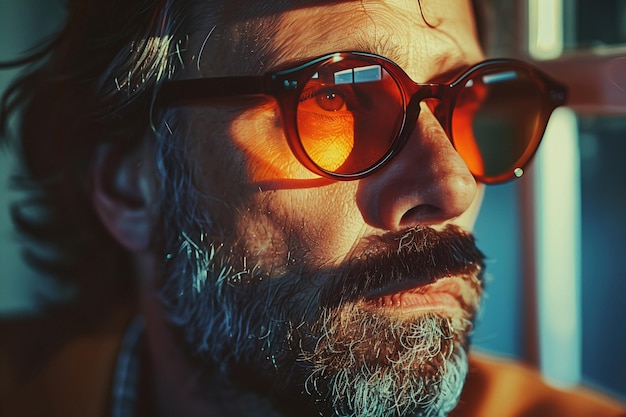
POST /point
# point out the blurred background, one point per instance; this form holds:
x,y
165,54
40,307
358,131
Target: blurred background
x,y
555,239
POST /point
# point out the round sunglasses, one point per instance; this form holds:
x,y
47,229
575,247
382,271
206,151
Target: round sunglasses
x,y
346,114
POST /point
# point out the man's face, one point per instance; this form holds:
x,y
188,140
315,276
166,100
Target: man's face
x,y
356,294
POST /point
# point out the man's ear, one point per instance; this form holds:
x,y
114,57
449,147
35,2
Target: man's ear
x,y
121,194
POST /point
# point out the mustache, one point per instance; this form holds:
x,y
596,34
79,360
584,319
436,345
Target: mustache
x,y
418,256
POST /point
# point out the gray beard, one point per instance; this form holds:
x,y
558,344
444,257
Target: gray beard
x,y
372,365
347,361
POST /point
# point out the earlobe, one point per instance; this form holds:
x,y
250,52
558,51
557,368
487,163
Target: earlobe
x,y
119,179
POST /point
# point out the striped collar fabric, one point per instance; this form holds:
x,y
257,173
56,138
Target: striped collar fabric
x,y
124,394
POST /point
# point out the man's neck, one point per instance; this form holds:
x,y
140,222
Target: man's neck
x,y
177,389
177,385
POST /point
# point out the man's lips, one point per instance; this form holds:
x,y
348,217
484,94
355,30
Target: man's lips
x,y
405,269
444,293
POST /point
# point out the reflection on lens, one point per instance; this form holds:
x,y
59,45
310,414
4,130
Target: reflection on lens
x,y
495,125
327,139
348,115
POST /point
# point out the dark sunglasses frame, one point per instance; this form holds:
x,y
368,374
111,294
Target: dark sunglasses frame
x,y
286,86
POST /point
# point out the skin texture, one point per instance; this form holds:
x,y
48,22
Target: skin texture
x,y
262,211
428,184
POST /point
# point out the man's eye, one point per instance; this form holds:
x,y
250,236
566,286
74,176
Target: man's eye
x,y
330,100
325,99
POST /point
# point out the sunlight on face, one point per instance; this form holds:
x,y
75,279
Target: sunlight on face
x,y
331,148
273,281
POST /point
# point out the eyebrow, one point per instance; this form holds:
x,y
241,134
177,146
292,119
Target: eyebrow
x,y
383,45
386,47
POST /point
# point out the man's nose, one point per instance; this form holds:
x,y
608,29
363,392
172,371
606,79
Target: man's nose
x,y
427,183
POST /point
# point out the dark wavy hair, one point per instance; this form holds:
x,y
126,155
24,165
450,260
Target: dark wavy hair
x,y
94,83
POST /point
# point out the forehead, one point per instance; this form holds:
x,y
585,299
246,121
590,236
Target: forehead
x,y
253,37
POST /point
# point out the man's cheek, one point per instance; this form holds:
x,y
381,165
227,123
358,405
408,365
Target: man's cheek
x,y
261,237
258,133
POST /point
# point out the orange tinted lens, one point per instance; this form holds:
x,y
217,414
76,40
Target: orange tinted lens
x,y
349,115
497,122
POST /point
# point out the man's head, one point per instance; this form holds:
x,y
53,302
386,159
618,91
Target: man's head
x,y
308,284
356,294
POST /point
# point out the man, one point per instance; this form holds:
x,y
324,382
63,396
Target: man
x,y
292,210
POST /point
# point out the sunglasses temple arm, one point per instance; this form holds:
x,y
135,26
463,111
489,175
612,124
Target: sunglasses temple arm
x,y
203,88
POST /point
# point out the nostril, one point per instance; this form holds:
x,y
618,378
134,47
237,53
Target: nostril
x,y
423,213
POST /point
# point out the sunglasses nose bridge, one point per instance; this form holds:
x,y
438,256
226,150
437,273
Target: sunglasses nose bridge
x,y
428,92
438,100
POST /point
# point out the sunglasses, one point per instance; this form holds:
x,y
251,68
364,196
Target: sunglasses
x,y
347,114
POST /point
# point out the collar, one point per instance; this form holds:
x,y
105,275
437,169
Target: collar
x,y
125,390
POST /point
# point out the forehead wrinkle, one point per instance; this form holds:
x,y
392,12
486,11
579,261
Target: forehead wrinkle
x,y
379,30
434,44
266,40
358,33
432,50
254,28
293,31
453,57
383,44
